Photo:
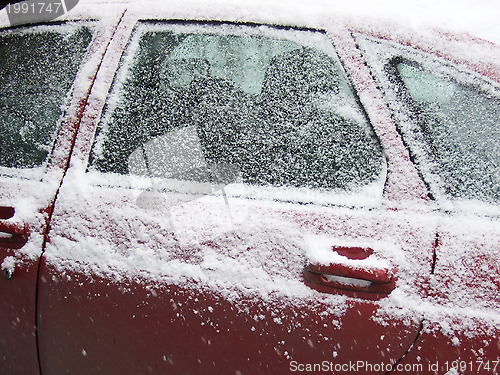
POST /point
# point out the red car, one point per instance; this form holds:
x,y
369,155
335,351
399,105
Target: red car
x,y
223,191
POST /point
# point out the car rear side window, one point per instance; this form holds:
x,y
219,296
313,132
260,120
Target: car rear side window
x,y
38,66
272,104
461,125
449,119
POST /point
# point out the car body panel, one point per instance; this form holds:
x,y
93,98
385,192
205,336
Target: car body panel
x,y
215,284
19,289
196,294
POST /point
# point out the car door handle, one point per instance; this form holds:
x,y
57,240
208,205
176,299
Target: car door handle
x,y
13,234
370,274
359,278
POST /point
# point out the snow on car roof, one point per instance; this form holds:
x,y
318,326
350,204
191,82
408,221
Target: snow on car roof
x,y
478,18
469,33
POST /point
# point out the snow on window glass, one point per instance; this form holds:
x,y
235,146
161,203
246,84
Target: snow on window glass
x,y
462,127
270,107
38,66
449,119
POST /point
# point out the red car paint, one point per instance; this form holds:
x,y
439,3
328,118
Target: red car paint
x,y
69,322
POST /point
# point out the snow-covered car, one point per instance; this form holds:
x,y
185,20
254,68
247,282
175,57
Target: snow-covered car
x,y
217,190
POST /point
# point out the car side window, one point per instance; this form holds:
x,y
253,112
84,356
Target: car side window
x,y
461,125
449,120
277,110
38,66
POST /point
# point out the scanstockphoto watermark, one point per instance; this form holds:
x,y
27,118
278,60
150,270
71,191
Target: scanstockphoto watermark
x,y
35,11
362,367
353,366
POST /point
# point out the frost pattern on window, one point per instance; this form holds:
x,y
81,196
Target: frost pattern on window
x,y
38,67
279,111
461,126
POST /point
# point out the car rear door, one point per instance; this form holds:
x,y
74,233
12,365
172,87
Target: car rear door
x,y
231,210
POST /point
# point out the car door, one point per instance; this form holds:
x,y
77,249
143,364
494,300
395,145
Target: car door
x,y
47,73
39,65
449,117
231,210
